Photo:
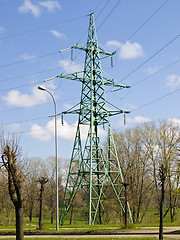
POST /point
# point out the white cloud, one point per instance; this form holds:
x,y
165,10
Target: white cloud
x,y
50,5
27,56
152,70
14,127
57,34
2,29
46,133
128,50
70,66
137,120
113,44
29,7
131,50
173,81
40,133
16,98
66,131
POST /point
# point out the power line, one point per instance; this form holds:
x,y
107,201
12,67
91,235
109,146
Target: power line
x,y
27,120
108,15
50,54
29,131
151,102
48,26
157,99
25,60
25,108
29,74
36,130
102,9
152,75
21,86
142,25
145,105
155,54
33,58
142,64
41,28
95,9
98,27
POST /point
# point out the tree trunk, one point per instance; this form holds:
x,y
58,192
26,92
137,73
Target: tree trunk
x,y
162,206
71,217
19,223
42,181
125,216
40,208
52,216
31,212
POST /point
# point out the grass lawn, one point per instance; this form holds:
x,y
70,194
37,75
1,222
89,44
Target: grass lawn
x,y
79,227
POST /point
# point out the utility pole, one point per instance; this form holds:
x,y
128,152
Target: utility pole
x,y
92,168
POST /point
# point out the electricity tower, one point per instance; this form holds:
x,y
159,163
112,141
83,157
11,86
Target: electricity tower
x,y
93,169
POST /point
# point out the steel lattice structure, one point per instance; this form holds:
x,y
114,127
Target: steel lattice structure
x,y
93,169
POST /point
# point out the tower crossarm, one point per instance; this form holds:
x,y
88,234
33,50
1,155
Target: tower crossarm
x,y
113,113
73,76
86,49
111,83
76,76
100,115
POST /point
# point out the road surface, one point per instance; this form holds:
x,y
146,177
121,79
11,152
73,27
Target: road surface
x,y
169,233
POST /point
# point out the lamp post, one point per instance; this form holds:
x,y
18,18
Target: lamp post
x,y
55,122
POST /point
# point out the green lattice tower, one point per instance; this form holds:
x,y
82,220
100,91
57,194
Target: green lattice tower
x,y
93,169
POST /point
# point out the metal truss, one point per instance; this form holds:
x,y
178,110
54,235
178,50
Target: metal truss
x,y
93,169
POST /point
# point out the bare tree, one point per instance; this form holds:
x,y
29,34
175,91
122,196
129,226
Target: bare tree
x,y
31,187
141,151
162,144
135,163
6,205
11,161
42,181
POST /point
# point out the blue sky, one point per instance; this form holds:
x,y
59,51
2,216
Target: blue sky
x,y
32,32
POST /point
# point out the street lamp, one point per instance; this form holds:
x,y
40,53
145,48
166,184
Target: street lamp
x,y
55,122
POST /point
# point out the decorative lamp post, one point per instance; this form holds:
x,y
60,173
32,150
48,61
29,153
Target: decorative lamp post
x,y
55,122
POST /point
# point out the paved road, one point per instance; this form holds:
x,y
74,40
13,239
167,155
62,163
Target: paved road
x,y
143,232
168,236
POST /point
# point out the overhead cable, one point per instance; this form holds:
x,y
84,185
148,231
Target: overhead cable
x,y
142,25
155,100
41,28
108,15
152,75
29,59
155,54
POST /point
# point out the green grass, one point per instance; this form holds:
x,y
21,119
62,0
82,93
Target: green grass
x,y
151,219
79,227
